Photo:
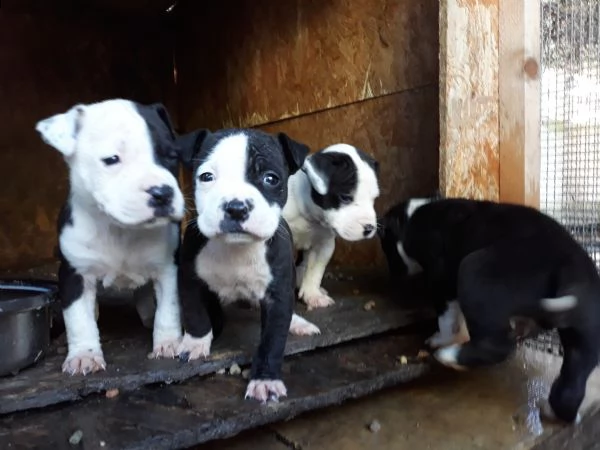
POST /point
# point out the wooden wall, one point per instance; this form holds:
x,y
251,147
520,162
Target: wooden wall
x,y
47,64
360,71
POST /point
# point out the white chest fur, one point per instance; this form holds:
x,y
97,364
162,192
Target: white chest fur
x,y
122,258
235,271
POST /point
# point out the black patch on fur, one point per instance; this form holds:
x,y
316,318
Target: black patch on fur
x,y
341,176
371,162
162,134
70,283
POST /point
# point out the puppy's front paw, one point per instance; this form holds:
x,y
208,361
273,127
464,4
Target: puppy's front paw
x,y
191,348
439,340
302,327
263,390
448,356
316,299
84,362
165,349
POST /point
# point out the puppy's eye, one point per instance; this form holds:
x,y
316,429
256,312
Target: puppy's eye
x,y
271,179
345,199
111,160
206,177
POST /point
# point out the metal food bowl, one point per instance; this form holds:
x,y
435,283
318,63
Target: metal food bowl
x,y
25,322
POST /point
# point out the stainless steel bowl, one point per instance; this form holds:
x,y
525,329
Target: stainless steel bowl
x,y
25,321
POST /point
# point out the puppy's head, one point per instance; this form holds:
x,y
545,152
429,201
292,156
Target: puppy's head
x,y
392,231
345,186
122,160
240,180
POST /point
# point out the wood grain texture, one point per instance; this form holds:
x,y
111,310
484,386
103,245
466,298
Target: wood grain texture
x,y
400,131
48,64
204,409
126,343
520,102
249,62
469,133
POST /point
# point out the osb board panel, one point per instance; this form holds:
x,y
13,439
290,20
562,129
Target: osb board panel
x,y
47,65
249,62
469,126
400,131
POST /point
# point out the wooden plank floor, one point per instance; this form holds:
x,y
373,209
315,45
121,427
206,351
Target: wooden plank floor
x,y
125,347
212,407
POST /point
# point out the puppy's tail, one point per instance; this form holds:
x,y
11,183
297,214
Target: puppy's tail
x,y
559,304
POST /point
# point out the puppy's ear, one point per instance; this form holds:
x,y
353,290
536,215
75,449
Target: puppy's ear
x,y
189,146
60,131
163,114
295,152
317,179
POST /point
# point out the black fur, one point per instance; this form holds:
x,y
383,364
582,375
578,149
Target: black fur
x,y
162,134
499,261
201,308
70,283
341,175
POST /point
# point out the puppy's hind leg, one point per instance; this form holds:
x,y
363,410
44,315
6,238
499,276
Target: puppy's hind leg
x,y
311,291
568,390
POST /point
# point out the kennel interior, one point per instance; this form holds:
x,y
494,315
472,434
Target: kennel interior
x,y
438,91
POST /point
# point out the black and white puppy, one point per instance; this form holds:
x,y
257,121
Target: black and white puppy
x,y
495,262
333,195
120,225
239,247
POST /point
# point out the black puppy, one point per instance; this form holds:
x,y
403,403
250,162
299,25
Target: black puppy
x,y
495,262
239,247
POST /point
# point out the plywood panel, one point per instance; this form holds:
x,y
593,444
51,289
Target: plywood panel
x,y
400,130
520,102
469,135
249,62
47,65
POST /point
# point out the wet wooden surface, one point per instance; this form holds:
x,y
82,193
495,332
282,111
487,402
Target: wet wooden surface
x,y
126,344
469,128
252,62
203,409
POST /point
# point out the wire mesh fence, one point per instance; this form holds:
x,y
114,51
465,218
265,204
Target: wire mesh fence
x,y
570,125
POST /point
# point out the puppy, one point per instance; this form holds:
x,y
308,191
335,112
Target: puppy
x,y
496,262
333,195
239,247
120,225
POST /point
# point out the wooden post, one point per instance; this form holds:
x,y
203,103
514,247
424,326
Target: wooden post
x,y
519,90
469,98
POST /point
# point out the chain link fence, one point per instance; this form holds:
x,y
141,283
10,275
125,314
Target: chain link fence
x,y
570,125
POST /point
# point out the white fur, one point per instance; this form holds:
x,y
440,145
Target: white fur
x,y
235,271
114,237
559,304
302,327
448,356
413,266
415,204
195,347
452,327
315,229
263,390
228,164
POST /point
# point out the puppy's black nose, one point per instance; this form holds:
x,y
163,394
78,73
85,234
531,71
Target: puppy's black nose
x,y
161,195
367,230
236,210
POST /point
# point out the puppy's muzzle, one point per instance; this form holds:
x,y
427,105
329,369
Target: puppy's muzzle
x,y
161,199
235,212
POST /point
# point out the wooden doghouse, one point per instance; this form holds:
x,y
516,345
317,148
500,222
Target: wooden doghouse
x,y
440,92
